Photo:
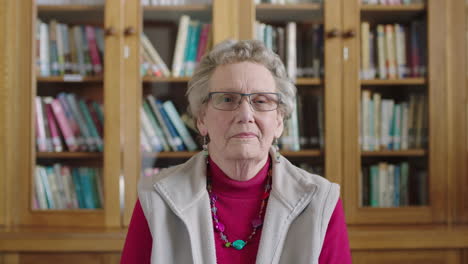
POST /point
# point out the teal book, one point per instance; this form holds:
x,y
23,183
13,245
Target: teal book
x,y
77,183
87,188
90,125
187,49
374,186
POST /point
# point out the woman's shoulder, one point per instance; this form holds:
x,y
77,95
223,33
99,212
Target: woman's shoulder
x,y
184,170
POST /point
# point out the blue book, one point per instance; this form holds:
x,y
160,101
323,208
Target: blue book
x,y
396,197
177,141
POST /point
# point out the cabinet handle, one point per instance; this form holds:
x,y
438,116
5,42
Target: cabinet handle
x,y
334,33
129,31
349,34
110,31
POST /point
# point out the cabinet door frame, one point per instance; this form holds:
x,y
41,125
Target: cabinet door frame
x,y
436,211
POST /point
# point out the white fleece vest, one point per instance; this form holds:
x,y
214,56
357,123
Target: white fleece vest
x,y
176,205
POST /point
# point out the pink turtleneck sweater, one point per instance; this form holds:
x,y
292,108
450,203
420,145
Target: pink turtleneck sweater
x,y
243,198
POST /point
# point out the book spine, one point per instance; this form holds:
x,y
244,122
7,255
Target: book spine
x,y
41,135
179,125
89,123
178,60
44,50
64,126
174,134
93,50
53,127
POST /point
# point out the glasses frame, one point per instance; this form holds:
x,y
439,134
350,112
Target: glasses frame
x,y
248,95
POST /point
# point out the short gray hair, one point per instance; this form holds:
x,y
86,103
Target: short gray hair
x,y
231,51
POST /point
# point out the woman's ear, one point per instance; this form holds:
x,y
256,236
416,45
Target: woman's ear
x,y
201,125
279,125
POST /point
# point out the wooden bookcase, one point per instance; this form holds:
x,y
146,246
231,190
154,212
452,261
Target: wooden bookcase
x,y
436,231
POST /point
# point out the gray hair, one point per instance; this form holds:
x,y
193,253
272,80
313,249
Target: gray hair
x,y
231,51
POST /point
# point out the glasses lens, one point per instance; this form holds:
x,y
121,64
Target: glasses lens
x,y
264,102
225,101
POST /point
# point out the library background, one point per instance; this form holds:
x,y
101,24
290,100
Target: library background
x,y
92,98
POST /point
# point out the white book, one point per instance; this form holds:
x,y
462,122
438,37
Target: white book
x,y
365,51
44,50
386,119
365,114
377,98
41,134
154,55
381,52
181,42
40,189
400,43
144,142
291,59
382,183
149,131
70,185
60,186
390,190
390,49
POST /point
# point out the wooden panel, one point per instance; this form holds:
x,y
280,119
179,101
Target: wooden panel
x,y
3,108
24,98
458,112
350,101
9,258
333,93
465,256
225,20
69,258
407,257
113,111
246,18
437,109
132,102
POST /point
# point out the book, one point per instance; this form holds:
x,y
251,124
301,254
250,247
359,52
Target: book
x,y
181,42
174,116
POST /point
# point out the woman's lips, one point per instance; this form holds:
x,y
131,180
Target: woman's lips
x,y
245,135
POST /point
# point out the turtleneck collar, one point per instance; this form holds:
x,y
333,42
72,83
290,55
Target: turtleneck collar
x,y
223,185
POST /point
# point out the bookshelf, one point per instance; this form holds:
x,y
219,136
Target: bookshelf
x,y
435,230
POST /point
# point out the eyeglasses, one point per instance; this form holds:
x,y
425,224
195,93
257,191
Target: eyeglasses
x,y
230,101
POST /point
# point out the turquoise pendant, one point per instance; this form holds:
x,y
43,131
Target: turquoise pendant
x,y
238,244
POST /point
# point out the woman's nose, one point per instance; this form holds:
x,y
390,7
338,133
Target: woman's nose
x,y
245,110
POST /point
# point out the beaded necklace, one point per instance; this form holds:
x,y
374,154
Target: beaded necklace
x,y
256,223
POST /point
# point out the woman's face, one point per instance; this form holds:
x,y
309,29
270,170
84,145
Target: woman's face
x,y
242,133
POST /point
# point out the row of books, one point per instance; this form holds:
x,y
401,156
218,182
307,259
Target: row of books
x,y
70,2
194,39
63,187
390,125
163,129
174,2
300,46
68,49
304,130
68,123
393,185
391,2
393,51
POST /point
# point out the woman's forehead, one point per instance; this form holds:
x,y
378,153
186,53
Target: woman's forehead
x,y
242,77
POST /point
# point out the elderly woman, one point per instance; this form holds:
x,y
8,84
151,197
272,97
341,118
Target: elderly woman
x,y
239,200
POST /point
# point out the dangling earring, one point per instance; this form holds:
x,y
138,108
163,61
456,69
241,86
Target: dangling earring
x,y
277,154
205,149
